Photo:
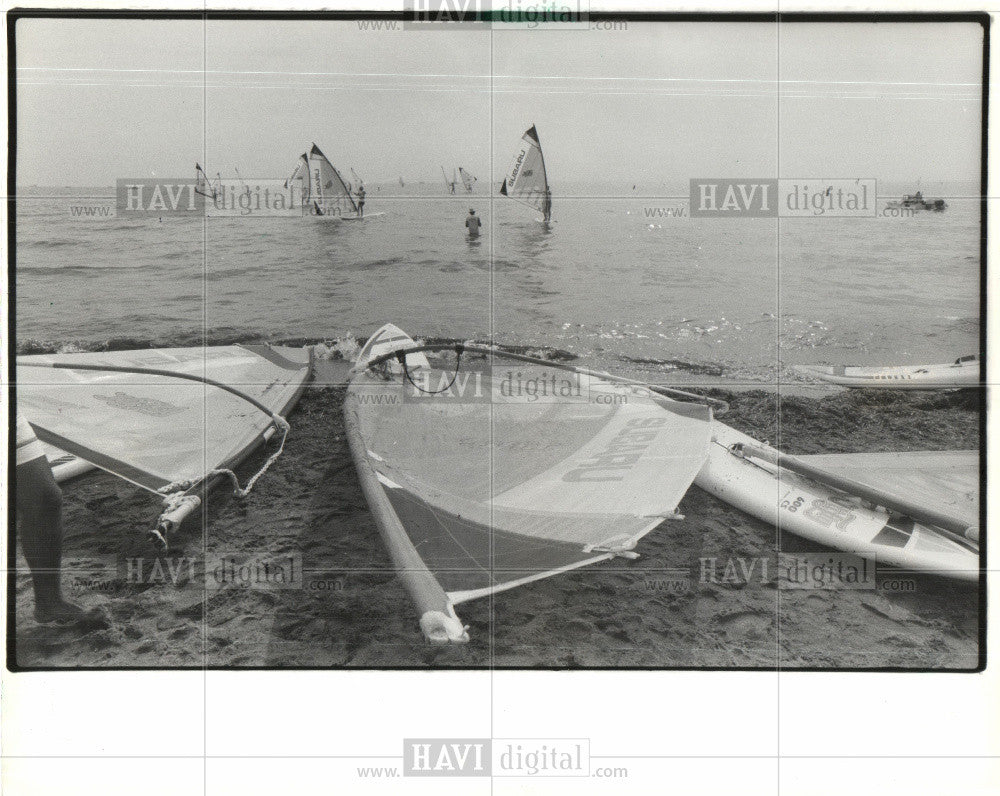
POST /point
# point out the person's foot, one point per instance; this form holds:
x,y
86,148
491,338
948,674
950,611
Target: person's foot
x,y
66,614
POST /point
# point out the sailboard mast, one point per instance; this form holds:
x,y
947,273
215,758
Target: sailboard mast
x,y
448,184
528,180
955,527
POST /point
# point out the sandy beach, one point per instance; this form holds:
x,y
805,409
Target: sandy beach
x,y
349,610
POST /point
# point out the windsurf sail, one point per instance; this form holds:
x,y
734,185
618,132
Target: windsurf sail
x,y
301,172
204,186
467,179
527,181
328,193
480,483
301,176
164,433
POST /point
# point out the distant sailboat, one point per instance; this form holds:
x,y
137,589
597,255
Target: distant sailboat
x,y
244,188
449,184
204,186
401,183
527,181
467,179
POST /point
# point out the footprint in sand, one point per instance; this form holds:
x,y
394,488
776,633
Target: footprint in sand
x,y
746,622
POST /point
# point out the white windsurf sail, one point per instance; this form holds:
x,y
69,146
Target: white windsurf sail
x,y
527,181
204,186
467,179
483,485
328,193
301,173
164,433
299,180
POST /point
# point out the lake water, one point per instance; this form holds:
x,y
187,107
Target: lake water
x,y
614,280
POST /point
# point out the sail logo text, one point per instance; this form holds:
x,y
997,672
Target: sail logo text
x,y
624,451
517,167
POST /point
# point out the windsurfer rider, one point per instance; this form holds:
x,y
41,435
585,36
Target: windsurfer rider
x,y
361,201
38,503
547,209
472,223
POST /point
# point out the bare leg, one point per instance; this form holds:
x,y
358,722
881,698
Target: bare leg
x,y
39,509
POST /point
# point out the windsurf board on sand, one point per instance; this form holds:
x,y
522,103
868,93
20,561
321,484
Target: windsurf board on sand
x,y
830,516
168,420
479,483
475,492
963,372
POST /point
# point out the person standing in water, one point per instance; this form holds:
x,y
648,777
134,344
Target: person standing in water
x,y
472,223
547,206
361,201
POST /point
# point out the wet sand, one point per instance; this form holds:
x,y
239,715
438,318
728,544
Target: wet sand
x,y
351,611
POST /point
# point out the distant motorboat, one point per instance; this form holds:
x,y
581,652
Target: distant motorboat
x,y
916,201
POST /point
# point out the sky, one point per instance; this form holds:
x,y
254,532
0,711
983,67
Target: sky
x,y
99,100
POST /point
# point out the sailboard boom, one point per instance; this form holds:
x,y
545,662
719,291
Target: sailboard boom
x,y
278,419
